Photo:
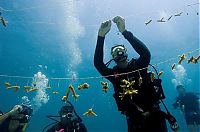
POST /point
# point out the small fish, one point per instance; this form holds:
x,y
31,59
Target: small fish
x,y
7,84
197,13
161,20
169,18
173,66
33,89
140,81
182,57
160,73
55,92
40,66
90,112
179,14
146,23
152,77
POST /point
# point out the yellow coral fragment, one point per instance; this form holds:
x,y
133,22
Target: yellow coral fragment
x,y
173,66
182,57
105,87
14,87
140,81
55,92
27,88
152,77
83,86
90,112
33,89
7,84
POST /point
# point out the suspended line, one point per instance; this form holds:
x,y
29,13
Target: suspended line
x,y
94,25
97,77
16,77
23,9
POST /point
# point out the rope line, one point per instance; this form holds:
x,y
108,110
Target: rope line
x,y
97,77
90,25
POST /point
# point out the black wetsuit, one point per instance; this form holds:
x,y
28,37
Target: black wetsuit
x,y
5,124
191,107
143,101
73,127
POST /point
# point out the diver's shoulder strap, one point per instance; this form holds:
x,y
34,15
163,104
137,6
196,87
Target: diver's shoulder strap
x,y
24,127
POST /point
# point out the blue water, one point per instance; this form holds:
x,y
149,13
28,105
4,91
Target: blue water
x,y
61,35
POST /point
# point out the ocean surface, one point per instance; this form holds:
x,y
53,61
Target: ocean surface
x,y
58,39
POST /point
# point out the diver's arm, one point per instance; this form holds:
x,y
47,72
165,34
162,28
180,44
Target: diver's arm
x,y
176,104
98,58
4,117
15,110
82,128
140,48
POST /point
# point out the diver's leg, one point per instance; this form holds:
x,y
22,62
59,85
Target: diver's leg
x,y
133,127
154,123
191,128
160,125
130,125
197,120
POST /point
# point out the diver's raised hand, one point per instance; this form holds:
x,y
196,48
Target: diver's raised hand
x,y
16,110
105,28
120,22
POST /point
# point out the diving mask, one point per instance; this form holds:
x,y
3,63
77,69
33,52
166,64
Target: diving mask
x,y
118,53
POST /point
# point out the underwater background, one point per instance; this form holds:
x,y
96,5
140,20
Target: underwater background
x,y
58,39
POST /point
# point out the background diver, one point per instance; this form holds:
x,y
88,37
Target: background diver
x,y
189,104
15,120
142,110
69,121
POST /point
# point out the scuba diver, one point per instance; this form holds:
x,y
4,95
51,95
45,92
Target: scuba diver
x,y
15,120
69,121
189,104
142,109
